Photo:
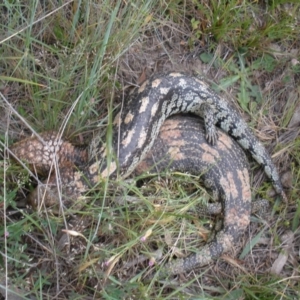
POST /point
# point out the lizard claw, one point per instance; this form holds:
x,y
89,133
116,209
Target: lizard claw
x,y
211,135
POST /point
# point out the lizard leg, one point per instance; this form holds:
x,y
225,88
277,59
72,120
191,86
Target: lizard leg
x,y
209,122
258,206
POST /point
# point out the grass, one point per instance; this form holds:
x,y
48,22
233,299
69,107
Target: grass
x,y
66,66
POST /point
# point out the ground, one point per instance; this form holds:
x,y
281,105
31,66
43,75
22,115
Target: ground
x,y
66,66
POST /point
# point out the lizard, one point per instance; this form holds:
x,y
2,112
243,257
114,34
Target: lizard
x,y
136,126
181,146
224,168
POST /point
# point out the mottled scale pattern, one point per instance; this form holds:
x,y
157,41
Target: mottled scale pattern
x,y
47,150
168,94
181,146
137,125
134,133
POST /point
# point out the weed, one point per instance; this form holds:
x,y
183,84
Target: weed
x,y
62,68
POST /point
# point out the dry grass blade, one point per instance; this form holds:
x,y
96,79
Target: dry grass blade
x,y
67,65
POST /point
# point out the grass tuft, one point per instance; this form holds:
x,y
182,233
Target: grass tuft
x,y
67,65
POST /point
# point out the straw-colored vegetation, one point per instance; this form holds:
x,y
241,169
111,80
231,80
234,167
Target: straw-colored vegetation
x,y
66,65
